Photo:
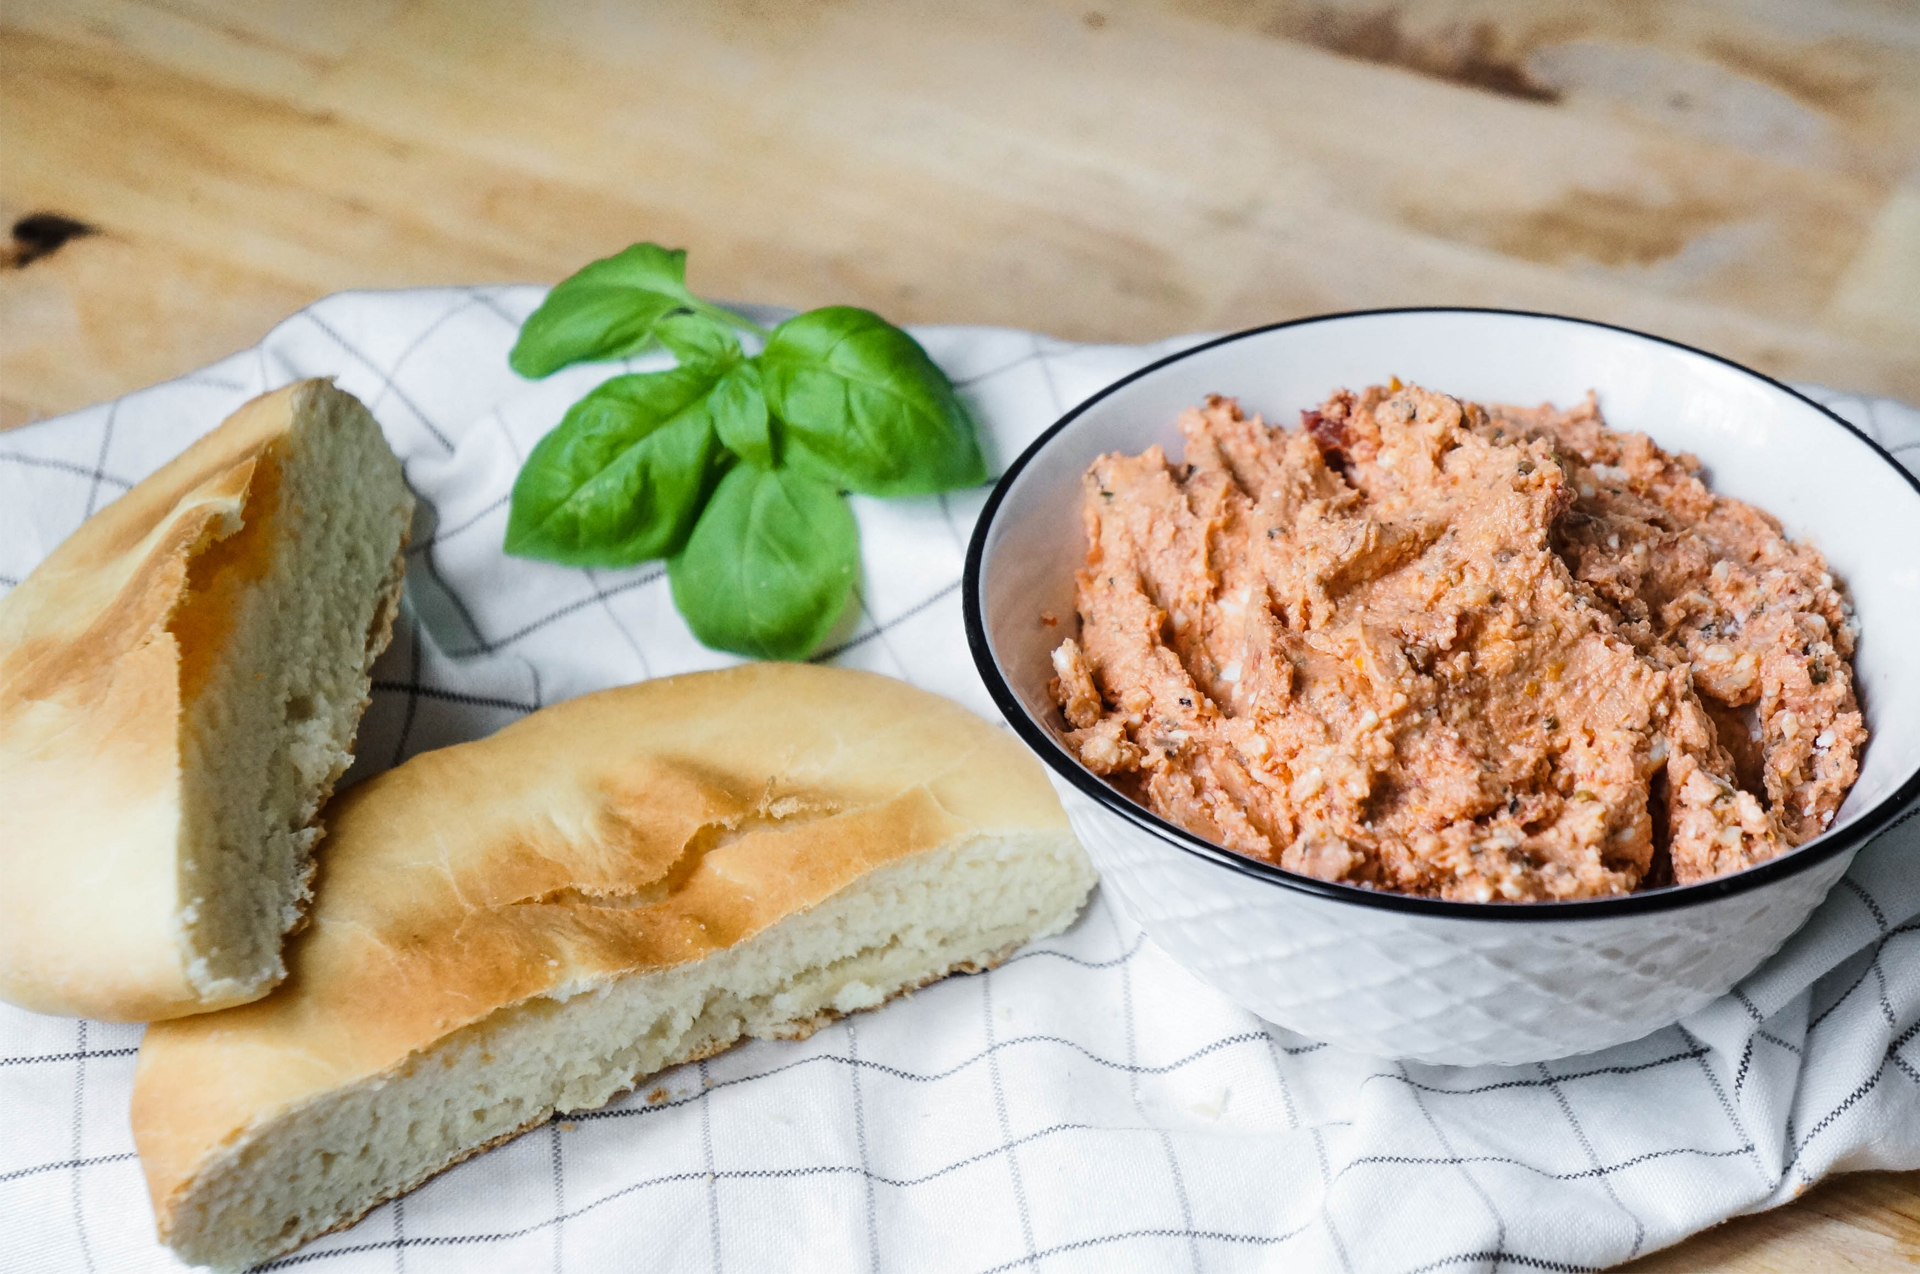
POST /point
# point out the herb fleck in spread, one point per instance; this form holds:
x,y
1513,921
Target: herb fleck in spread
x,y
1479,653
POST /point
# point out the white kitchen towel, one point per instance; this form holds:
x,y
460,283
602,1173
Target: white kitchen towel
x,y
1088,1106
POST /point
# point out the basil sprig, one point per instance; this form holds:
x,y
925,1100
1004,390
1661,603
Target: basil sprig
x,y
733,467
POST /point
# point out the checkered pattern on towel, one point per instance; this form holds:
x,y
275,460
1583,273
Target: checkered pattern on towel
x,y
1088,1106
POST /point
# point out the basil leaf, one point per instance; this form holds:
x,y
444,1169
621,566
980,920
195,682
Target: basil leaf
x,y
740,415
610,309
606,310
623,475
769,566
698,341
864,407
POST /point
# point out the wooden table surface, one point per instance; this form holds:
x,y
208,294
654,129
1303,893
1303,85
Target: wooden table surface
x,y
1743,175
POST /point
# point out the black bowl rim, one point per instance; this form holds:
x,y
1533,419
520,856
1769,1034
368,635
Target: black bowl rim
x,y
1870,823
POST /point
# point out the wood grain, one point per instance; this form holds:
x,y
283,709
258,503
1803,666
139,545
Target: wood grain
x,y
1867,1221
1736,175
1743,175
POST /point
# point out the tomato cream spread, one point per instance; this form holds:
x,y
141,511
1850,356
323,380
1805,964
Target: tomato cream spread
x,y
1479,653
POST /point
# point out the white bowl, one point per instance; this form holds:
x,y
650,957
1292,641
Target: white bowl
x,y
1453,982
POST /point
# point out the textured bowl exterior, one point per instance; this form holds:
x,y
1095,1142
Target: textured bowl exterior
x,y
1457,992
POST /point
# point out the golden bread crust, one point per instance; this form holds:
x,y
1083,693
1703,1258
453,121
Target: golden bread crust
x,y
631,830
100,649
